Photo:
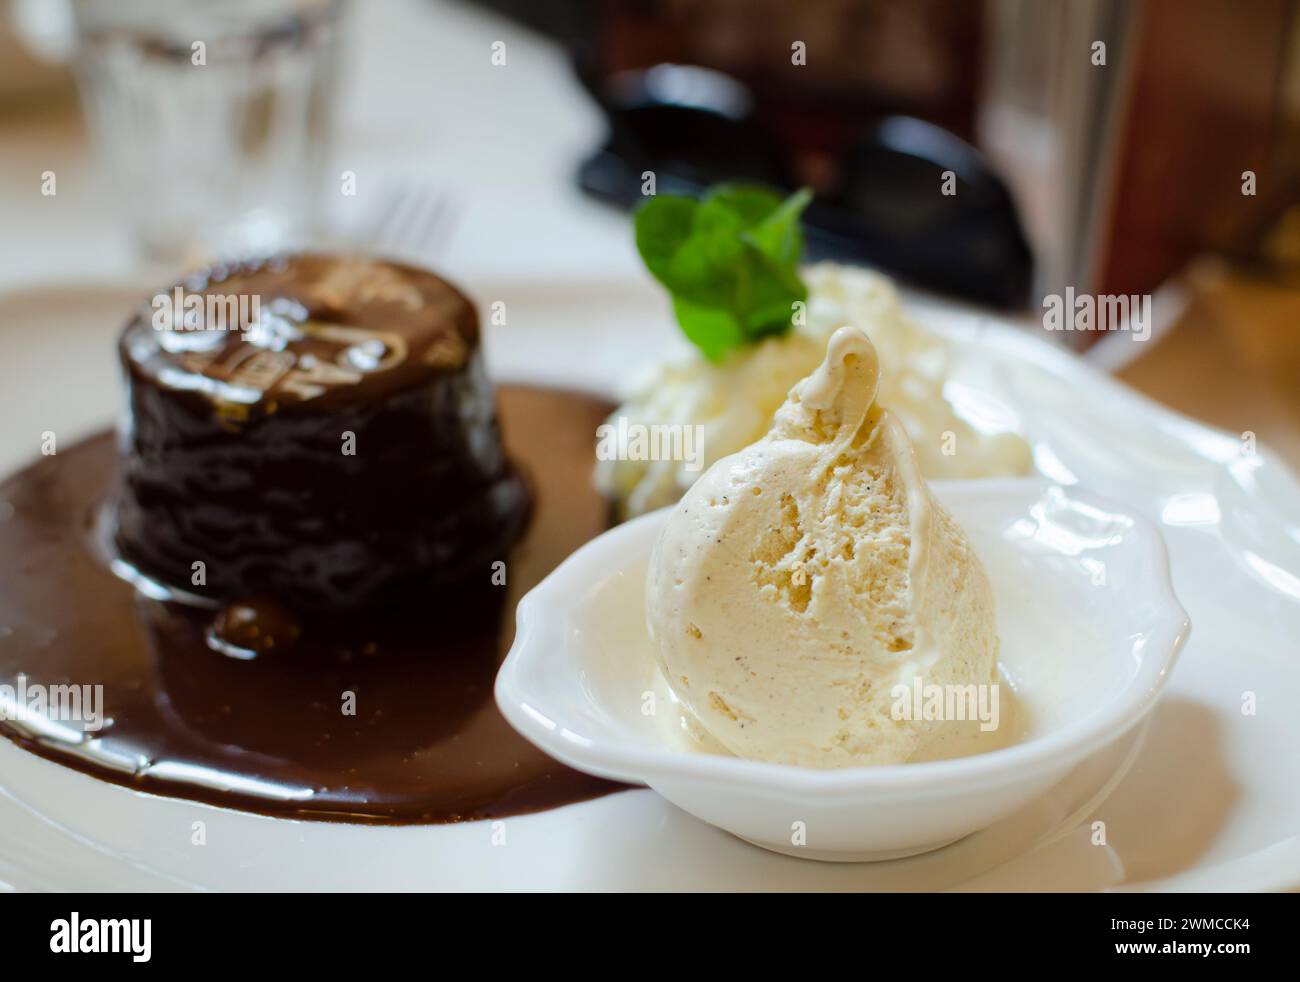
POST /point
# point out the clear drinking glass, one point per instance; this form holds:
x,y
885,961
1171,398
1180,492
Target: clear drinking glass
x,y
213,117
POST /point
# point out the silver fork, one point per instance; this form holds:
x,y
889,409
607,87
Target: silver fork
x,y
409,221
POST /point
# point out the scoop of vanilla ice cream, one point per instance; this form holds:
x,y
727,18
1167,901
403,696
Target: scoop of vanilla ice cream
x,y
733,402
803,578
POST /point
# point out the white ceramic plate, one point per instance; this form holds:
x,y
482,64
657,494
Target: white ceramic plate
x,y
1212,799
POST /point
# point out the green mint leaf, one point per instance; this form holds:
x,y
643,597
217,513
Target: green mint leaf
x,y
711,329
663,226
778,236
730,261
738,206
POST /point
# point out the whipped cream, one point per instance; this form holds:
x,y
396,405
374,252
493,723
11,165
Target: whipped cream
x,y
733,403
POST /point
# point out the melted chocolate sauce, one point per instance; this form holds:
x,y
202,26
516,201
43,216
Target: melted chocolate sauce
x,y
246,707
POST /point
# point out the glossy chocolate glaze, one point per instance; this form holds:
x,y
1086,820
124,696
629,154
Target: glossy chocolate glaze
x,y
335,445
267,733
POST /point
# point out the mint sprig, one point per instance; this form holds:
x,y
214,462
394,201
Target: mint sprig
x,y
730,261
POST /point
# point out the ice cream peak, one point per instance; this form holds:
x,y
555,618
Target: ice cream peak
x,y
804,579
843,388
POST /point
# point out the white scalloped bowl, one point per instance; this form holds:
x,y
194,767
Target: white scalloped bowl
x,y
1090,630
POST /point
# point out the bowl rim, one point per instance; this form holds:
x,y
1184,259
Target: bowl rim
x,y
542,617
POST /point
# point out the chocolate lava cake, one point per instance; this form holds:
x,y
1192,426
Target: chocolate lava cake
x,y
329,438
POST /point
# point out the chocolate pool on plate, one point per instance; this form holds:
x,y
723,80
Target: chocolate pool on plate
x,y
292,577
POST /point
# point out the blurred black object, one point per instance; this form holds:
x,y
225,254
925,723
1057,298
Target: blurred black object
x,y
882,203
691,126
